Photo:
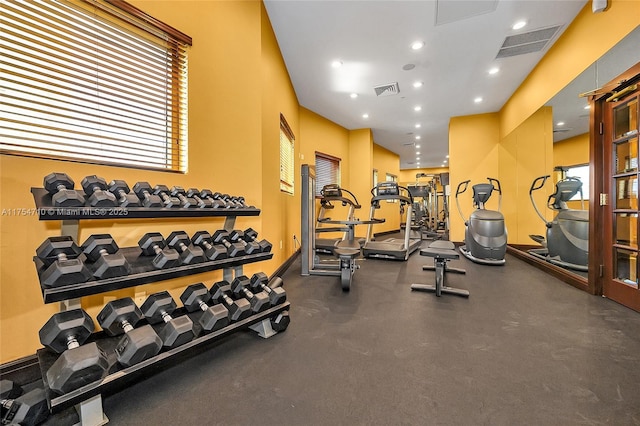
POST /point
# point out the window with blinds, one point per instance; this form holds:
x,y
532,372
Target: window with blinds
x,y
286,156
327,171
95,81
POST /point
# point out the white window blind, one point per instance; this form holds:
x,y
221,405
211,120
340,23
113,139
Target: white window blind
x,y
92,81
286,156
327,171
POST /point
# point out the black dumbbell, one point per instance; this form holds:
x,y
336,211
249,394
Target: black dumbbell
x,y
186,201
9,389
203,203
240,289
152,243
138,344
96,189
189,254
60,258
168,201
28,409
177,331
240,202
238,309
125,197
195,297
211,251
102,250
233,249
206,194
226,198
60,186
251,235
77,365
145,193
237,236
260,282
281,321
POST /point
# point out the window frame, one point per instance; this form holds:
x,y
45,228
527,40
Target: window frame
x,y
335,166
287,157
73,131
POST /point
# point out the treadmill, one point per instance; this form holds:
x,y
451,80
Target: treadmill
x,y
334,193
391,248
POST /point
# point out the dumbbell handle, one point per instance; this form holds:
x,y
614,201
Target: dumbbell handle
x,y
206,244
126,326
166,317
61,187
62,257
146,194
226,299
156,248
266,288
203,305
72,342
247,293
122,194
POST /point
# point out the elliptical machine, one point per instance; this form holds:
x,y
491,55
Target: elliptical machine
x,y
485,234
567,239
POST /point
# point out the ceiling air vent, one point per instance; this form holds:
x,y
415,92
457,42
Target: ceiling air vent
x,y
533,41
387,89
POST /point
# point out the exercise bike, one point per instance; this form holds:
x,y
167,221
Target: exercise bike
x,y
567,237
485,234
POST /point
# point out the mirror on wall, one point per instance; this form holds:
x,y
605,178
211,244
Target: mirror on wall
x,y
571,156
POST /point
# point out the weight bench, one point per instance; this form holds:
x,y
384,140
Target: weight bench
x,y
441,251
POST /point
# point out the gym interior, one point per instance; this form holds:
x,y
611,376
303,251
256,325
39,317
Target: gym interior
x,y
529,343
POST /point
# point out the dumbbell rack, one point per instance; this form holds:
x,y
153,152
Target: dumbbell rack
x,y
88,399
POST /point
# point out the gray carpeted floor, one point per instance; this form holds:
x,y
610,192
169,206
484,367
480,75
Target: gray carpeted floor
x,y
525,348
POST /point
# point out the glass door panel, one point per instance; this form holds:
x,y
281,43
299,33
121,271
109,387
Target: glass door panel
x,y
625,119
626,229
626,156
627,192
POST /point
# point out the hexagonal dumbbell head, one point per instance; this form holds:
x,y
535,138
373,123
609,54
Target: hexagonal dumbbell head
x,y
177,331
240,288
179,240
60,186
212,251
66,330
186,201
203,203
119,316
238,309
9,389
281,321
103,251
62,266
208,195
195,297
152,243
137,344
125,197
27,410
233,249
260,281
96,188
145,193
250,247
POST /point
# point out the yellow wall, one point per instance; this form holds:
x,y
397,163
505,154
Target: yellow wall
x,y
473,155
572,151
385,161
526,153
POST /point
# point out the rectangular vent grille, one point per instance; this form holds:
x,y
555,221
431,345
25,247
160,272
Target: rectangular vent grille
x,y
387,89
533,41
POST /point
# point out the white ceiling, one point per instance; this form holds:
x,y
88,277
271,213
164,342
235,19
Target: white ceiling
x,y
373,38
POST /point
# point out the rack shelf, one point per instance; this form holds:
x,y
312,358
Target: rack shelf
x,y
47,211
118,377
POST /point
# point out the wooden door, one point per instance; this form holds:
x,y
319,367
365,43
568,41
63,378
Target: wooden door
x,y
618,231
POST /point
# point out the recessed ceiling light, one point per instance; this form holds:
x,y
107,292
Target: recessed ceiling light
x,y
447,156
417,45
418,163
518,25
365,115
442,165
477,100
417,108
494,70
587,107
417,152
418,137
336,64
418,125
353,95
417,158
417,146
444,161
560,123
418,84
